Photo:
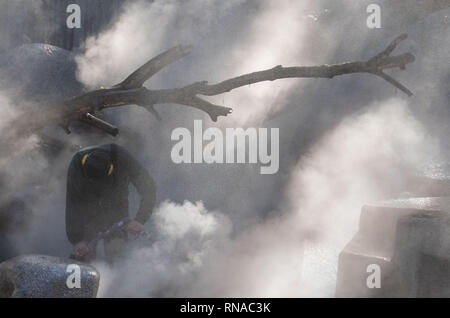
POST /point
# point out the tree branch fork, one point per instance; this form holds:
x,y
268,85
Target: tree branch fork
x,y
131,90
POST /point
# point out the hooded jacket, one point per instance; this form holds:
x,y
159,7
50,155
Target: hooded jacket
x,y
93,205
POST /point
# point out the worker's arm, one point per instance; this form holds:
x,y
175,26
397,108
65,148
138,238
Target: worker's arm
x,y
143,183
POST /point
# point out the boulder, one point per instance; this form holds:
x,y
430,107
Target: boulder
x,y
39,276
38,72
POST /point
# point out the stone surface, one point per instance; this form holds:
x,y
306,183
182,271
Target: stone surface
x,y
38,72
410,241
39,276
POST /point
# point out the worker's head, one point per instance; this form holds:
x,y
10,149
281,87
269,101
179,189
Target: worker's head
x,y
97,164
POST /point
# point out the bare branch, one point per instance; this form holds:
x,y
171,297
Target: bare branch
x,y
374,65
140,76
152,111
391,47
214,111
394,82
131,91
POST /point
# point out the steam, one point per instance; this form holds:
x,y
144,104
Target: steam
x,y
183,236
224,230
136,35
280,31
276,32
289,255
8,167
293,249
18,26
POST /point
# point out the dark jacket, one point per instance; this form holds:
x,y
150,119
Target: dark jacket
x,y
92,206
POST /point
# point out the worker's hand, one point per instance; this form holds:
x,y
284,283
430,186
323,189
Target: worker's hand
x,y
134,227
81,249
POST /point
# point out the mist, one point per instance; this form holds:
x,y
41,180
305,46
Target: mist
x,y
225,230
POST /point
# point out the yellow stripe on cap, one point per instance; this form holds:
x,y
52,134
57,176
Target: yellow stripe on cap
x,y
111,169
83,161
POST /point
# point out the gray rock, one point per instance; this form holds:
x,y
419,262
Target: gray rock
x,y
39,276
38,75
38,72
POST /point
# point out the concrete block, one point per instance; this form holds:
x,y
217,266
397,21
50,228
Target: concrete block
x,y
409,239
